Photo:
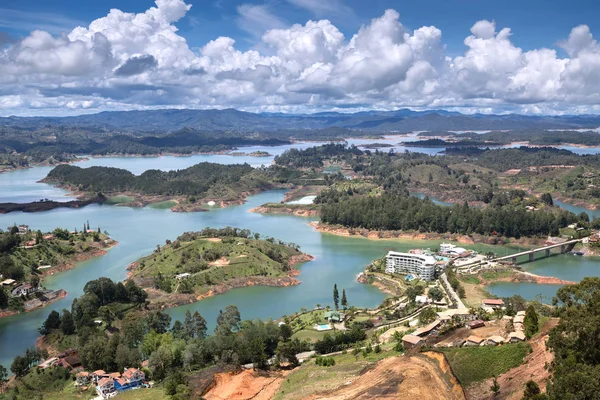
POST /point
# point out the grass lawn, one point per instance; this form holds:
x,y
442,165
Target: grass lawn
x,y
469,279
119,200
474,364
157,393
163,205
311,378
310,335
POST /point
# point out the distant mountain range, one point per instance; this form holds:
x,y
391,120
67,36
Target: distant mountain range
x,y
402,121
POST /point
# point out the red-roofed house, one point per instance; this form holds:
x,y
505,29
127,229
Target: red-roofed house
x,y
105,387
493,303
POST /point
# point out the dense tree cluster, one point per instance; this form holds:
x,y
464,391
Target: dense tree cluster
x,y
397,212
576,343
195,180
313,157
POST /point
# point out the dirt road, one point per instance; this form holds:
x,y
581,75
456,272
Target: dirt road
x,y
245,385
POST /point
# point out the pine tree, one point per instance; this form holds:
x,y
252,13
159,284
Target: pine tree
x,y
344,300
336,296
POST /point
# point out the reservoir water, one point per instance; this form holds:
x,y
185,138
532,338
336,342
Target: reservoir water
x,y
338,260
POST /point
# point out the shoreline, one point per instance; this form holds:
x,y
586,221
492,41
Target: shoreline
x,y
9,313
68,265
401,235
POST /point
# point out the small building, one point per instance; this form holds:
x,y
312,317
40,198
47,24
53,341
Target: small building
x,y
493,303
97,375
519,319
474,340
105,387
48,363
422,299
517,336
410,341
83,378
475,324
8,282
332,316
70,361
494,340
49,237
23,290
185,275
521,313
23,229
426,330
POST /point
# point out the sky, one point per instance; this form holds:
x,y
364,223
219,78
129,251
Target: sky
x,y
68,57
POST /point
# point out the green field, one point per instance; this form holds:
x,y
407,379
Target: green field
x,y
119,200
474,364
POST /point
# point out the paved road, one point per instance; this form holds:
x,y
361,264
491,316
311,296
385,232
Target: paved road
x,y
459,303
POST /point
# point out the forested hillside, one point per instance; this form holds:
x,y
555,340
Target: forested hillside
x,y
196,180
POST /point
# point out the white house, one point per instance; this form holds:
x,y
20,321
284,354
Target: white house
x,y
105,387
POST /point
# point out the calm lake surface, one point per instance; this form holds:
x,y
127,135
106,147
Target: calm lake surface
x,y
138,231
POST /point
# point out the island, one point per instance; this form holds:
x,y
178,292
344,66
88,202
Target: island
x,y
189,189
27,256
206,263
251,154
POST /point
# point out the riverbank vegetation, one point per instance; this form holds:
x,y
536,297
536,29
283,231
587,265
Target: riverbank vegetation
x,y
27,255
212,261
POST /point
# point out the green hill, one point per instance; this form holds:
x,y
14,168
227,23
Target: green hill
x,y
200,264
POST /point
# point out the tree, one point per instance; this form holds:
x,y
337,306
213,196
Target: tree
x,y
3,298
19,366
546,198
257,354
107,315
413,291
52,322
336,296
228,321
286,332
344,300
3,376
427,315
160,361
436,294
575,342
133,330
495,388
67,325
531,390
34,281
530,322
158,321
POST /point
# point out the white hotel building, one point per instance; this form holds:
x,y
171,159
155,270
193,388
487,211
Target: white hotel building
x,y
422,266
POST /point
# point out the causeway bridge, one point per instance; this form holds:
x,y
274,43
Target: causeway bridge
x,y
564,248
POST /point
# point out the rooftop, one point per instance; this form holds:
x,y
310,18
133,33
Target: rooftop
x,y
411,339
493,302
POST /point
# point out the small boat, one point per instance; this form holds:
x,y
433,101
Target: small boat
x,y
577,253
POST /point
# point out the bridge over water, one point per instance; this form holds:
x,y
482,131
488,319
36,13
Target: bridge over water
x,y
564,248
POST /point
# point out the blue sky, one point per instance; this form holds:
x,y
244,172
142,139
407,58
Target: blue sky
x,y
534,23
527,56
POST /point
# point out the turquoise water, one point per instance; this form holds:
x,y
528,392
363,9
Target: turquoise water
x,y
337,259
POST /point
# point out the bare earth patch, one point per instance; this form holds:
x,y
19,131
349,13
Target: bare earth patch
x,y
416,377
245,385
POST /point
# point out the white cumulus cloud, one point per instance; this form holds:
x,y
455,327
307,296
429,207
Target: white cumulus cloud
x,y
135,61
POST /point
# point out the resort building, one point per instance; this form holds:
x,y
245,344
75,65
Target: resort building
x,y
419,265
452,250
474,340
410,341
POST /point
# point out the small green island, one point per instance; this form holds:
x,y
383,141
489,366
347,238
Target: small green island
x,y
26,256
202,264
